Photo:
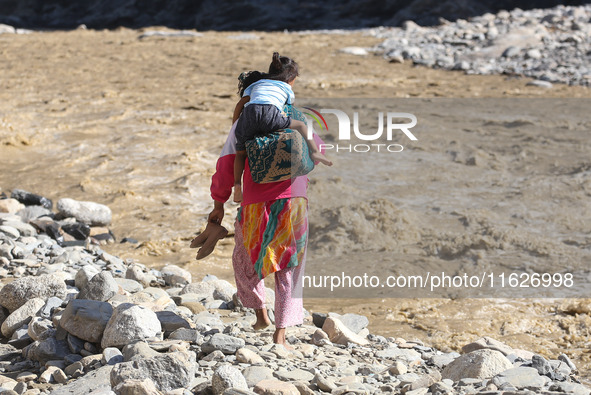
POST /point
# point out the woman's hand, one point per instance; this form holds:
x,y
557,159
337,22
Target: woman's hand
x,y
217,214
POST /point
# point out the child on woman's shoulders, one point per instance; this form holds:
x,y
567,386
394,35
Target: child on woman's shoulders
x,y
259,112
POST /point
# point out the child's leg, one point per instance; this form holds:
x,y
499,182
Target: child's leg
x,y
315,153
239,161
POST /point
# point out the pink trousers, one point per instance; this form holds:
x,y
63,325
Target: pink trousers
x,y
289,308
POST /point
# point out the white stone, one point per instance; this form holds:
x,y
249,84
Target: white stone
x,y
245,355
225,377
91,213
358,51
129,323
175,276
479,364
84,275
338,333
275,387
21,316
11,206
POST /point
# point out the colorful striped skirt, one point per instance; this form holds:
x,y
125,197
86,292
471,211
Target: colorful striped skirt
x,y
275,233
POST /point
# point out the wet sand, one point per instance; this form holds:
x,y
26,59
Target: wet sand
x,y
137,124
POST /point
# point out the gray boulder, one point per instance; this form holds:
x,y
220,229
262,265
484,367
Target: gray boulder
x,y
479,364
488,343
138,350
128,323
521,377
136,387
84,275
101,287
255,374
354,322
90,213
175,276
49,349
9,231
38,326
94,382
224,343
188,335
111,356
168,371
172,321
202,288
13,295
25,230
21,316
225,377
223,290
86,319
128,285
51,304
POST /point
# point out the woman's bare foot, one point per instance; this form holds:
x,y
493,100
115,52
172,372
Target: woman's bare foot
x,y
263,320
319,157
279,338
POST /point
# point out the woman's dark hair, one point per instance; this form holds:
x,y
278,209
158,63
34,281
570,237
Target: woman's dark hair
x,y
281,68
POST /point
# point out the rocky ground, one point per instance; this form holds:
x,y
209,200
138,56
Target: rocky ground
x,y
75,319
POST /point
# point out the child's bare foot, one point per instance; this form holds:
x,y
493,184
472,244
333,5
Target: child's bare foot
x,y
263,320
237,193
319,157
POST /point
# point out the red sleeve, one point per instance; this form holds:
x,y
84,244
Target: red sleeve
x,y
222,181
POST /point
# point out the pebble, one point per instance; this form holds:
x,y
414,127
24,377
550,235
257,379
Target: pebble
x,y
112,356
275,387
358,51
540,84
338,333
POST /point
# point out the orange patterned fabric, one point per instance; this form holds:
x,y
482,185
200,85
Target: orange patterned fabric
x,y
275,233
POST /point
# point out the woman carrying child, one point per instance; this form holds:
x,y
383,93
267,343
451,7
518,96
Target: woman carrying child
x,y
271,228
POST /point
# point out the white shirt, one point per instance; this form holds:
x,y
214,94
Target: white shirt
x,y
270,92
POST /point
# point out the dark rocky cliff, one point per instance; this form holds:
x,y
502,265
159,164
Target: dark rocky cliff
x,y
248,14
